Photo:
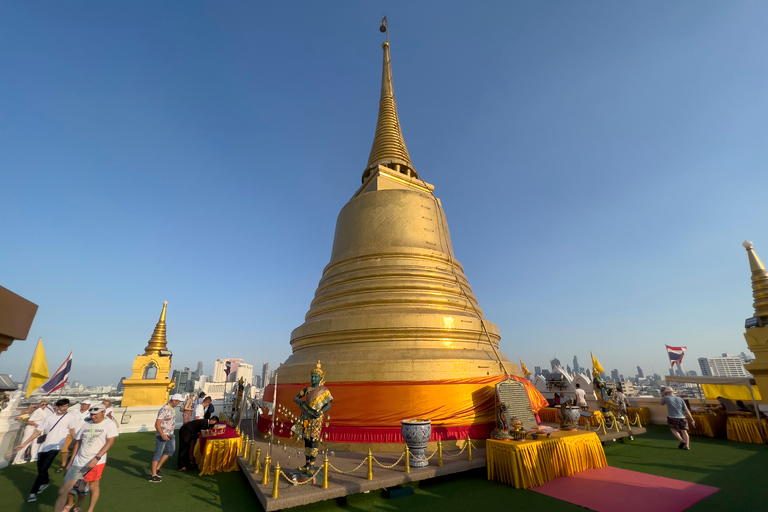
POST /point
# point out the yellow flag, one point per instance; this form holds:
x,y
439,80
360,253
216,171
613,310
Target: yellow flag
x,y
38,369
525,370
596,364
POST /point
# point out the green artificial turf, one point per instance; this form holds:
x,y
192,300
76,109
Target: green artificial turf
x,y
738,469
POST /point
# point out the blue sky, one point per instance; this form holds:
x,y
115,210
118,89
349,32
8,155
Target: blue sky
x,y
599,163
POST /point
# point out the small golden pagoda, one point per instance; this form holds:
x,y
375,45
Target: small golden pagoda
x,y
150,383
394,320
757,326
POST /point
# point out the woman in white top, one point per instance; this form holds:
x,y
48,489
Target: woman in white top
x,y
32,422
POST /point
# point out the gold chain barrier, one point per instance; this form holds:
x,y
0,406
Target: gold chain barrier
x,y
253,455
391,465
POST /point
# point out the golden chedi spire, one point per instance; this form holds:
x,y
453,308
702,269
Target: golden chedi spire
x,y
393,303
759,282
388,147
158,340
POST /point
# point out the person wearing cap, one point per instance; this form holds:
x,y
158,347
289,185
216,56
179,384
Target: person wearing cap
x,y
92,442
676,413
165,441
54,429
69,443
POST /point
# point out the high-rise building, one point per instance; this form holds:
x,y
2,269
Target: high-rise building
x,y
199,369
183,381
537,370
265,375
615,375
576,367
640,373
725,366
555,362
231,370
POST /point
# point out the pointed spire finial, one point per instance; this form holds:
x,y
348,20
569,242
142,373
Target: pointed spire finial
x,y
759,282
158,341
388,144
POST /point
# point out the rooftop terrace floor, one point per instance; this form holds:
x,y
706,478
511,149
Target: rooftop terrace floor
x,y
738,469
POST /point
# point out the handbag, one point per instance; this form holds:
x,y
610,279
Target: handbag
x,y
41,438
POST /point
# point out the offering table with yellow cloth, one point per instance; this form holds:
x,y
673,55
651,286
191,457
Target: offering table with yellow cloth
x,y
744,429
708,423
218,453
528,463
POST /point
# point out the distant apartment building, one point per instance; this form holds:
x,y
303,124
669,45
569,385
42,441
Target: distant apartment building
x,y
265,374
725,366
183,380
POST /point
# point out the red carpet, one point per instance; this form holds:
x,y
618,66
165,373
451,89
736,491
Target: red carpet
x,y
612,489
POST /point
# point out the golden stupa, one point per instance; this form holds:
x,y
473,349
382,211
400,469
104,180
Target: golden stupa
x,y
149,383
394,320
757,326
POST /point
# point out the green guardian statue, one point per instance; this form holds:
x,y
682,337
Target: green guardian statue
x,y
317,401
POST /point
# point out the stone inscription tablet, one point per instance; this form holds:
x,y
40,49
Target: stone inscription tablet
x,y
512,394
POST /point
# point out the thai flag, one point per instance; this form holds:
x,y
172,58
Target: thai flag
x,y
675,355
227,368
59,378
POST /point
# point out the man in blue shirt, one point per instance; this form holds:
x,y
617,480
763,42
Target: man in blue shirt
x,y
676,413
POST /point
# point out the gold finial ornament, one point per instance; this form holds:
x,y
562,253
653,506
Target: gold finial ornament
x,y
158,340
759,282
388,147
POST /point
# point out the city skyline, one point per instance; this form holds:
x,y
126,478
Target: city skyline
x,y
594,163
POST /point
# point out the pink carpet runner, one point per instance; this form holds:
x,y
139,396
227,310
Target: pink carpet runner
x,y
610,489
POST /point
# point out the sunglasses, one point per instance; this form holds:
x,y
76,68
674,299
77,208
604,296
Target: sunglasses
x,y
95,410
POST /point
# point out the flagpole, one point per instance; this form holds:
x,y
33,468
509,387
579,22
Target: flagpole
x,y
24,384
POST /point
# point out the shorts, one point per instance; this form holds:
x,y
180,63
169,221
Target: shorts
x,y
168,446
76,473
677,423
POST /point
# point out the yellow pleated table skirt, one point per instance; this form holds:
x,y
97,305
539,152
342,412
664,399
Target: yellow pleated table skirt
x,y
525,464
744,429
643,412
220,455
708,424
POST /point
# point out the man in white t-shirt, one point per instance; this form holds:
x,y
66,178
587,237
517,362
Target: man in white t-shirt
x,y
201,408
581,397
55,428
92,442
69,442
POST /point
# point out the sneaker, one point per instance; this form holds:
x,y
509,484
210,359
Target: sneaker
x,y
681,445
42,488
155,479
32,497
159,473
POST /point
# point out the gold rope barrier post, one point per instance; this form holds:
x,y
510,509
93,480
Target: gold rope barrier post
x,y
246,448
469,448
325,471
253,452
370,465
275,492
265,478
257,462
407,460
439,453
637,416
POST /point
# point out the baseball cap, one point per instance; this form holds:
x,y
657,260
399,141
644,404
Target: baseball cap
x,y
97,408
86,401
178,397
